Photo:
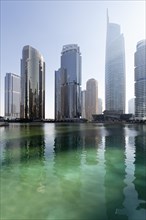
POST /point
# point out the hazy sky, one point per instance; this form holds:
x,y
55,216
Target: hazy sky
x,y
48,25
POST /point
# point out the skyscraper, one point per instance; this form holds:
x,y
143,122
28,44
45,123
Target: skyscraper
x,y
131,106
0,94
114,69
68,84
12,96
99,106
83,104
32,84
140,80
91,101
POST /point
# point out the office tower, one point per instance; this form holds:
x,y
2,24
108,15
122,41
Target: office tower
x,y
67,84
83,98
99,106
114,69
32,84
131,106
12,96
140,80
0,94
91,98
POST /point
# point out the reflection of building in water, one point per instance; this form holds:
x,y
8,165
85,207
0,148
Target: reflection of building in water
x,y
67,168
32,144
11,152
134,190
140,166
25,145
115,171
79,166
91,139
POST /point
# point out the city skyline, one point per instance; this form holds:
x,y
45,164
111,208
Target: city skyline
x,y
57,26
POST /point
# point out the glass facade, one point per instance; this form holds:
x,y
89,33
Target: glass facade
x,y
67,84
32,84
12,96
114,69
140,80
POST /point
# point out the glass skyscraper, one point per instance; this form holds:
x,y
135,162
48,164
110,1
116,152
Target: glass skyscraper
x,y
68,84
12,96
114,69
140,80
32,84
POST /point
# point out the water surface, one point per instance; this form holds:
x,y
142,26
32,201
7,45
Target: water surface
x,y
73,171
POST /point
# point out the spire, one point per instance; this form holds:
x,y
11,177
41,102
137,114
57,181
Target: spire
x,y
107,16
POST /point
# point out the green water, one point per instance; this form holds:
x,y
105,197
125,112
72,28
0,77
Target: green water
x,y
73,172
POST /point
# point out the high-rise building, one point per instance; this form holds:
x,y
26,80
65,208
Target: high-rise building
x,y
131,106
91,102
12,96
0,94
32,84
140,80
114,69
68,84
99,106
83,106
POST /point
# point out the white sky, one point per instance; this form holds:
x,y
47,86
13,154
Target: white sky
x,y
48,25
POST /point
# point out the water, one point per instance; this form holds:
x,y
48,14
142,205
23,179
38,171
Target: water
x,y
73,172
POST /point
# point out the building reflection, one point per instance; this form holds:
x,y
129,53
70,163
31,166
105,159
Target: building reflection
x,y
32,144
115,171
140,168
134,190
25,145
78,158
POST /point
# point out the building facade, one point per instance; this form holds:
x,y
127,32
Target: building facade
x,y
32,84
114,68
83,106
91,101
99,106
68,84
12,96
140,80
131,106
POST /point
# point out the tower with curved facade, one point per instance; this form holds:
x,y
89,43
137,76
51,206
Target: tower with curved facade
x,y
140,80
32,84
114,69
91,100
68,84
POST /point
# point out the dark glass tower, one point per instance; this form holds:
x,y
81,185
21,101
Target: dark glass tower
x,y
114,69
32,84
68,84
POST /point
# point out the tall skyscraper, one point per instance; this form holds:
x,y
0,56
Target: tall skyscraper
x,y
32,84
12,96
140,80
68,84
0,94
83,104
91,102
99,106
131,106
114,69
